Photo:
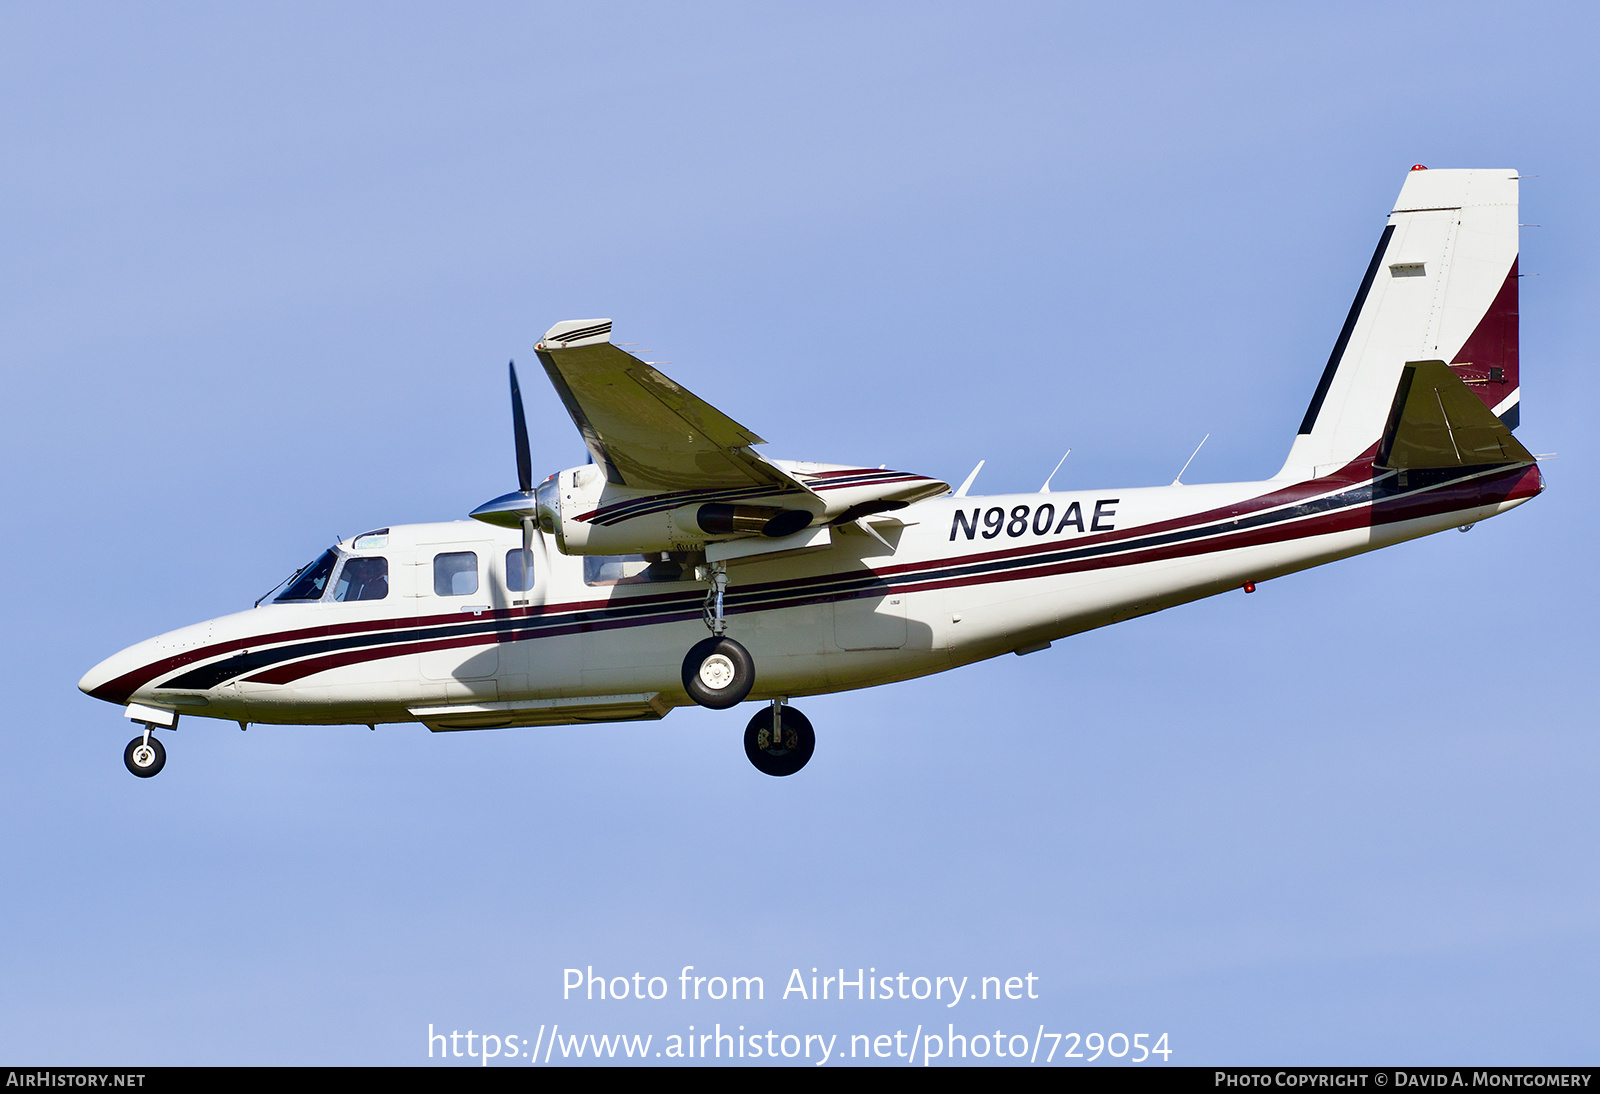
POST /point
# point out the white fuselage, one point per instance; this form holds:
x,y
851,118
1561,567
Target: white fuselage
x,y
962,579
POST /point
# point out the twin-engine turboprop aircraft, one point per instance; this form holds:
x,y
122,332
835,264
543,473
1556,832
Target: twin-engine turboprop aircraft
x,y
682,566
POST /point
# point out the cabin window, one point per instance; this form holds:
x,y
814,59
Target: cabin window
x,y
631,569
516,580
312,581
363,578
455,574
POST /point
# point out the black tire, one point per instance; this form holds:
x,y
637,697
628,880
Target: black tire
x,y
718,673
152,761
784,757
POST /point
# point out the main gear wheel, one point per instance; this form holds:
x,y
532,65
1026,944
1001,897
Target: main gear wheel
x,y
718,673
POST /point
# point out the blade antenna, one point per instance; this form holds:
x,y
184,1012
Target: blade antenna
x,y
1179,480
519,424
1045,489
962,492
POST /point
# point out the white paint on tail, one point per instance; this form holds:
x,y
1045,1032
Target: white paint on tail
x,y
1450,244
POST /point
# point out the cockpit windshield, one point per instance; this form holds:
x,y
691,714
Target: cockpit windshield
x,y
312,581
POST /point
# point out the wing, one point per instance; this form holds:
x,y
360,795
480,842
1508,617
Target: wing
x,y
643,429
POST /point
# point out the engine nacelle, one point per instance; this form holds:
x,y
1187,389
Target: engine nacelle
x,y
588,516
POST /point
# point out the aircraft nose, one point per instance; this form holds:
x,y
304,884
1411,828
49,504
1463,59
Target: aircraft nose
x,y
94,680
103,681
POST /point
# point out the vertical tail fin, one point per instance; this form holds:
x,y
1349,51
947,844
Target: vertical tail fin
x,y
1442,285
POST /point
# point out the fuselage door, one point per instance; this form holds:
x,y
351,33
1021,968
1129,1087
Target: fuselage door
x,y
455,588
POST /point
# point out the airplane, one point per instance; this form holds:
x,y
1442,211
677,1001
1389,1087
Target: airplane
x,y
681,566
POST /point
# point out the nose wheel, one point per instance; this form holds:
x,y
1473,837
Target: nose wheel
x,y
779,740
145,756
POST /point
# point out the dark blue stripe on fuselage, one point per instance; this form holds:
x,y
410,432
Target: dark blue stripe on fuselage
x,y
823,588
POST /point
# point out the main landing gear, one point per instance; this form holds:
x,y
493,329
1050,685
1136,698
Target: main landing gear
x,y
779,740
718,672
145,756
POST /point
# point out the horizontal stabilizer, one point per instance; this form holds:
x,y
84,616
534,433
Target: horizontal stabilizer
x,y
1436,420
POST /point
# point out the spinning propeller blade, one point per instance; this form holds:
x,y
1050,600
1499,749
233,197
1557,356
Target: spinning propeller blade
x,y
517,508
519,423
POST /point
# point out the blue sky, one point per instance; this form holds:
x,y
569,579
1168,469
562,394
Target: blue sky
x,y
264,267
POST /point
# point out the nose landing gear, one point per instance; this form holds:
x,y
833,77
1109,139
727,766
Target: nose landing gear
x,y
779,740
145,756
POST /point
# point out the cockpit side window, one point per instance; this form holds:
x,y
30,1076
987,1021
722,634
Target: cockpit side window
x,y
363,578
313,580
455,573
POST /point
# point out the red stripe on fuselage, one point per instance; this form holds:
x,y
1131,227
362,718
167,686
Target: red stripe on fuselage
x,y
1358,472
119,689
1520,482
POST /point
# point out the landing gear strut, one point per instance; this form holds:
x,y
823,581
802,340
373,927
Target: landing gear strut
x,y
779,740
718,672
145,756
712,611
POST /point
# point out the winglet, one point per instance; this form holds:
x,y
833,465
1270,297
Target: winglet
x,y
577,332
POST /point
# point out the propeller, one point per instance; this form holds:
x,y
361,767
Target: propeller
x,y
520,507
519,424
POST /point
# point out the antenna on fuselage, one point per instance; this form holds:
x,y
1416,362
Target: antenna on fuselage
x,y
1045,489
961,493
1179,480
